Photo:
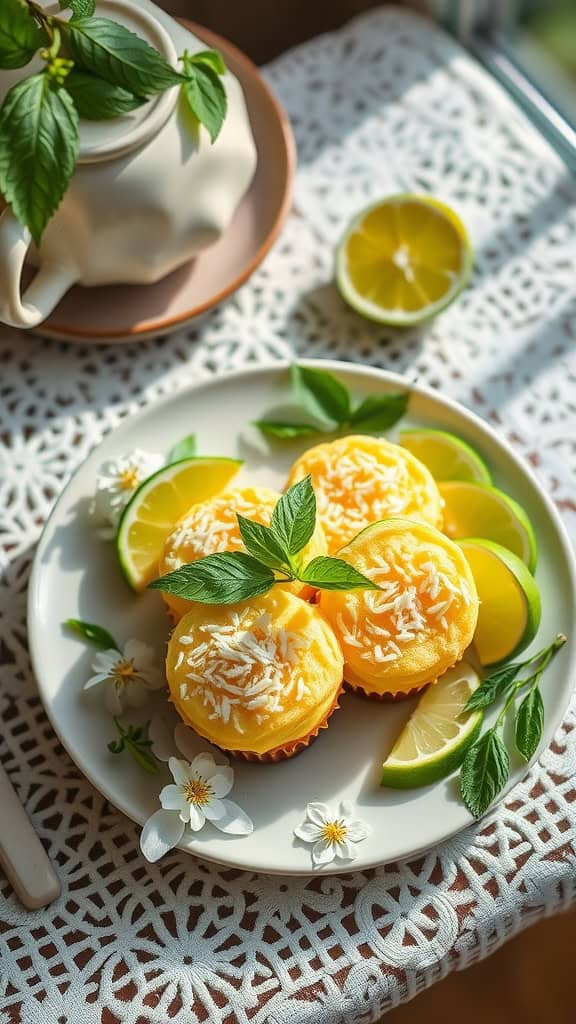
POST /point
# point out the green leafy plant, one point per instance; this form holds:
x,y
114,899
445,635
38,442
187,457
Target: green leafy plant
x,y
273,555
328,403
134,739
95,69
486,767
93,634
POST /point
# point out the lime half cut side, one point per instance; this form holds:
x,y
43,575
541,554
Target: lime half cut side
x,y
156,507
438,733
446,456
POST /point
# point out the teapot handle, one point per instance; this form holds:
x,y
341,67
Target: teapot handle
x,y
51,282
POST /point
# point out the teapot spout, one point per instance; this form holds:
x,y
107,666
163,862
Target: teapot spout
x,y
51,282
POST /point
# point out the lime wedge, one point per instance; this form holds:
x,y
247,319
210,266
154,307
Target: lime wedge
x,y
403,259
446,456
437,735
509,614
156,507
473,510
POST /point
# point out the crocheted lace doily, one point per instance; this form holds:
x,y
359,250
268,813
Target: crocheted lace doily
x,y
388,104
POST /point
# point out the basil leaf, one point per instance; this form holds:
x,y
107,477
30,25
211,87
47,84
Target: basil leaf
x,y
93,634
38,144
529,724
379,412
212,58
20,35
222,578
97,100
294,517
485,771
184,449
286,431
261,542
322,393
493,686
119,56
206,96
79,8
329,573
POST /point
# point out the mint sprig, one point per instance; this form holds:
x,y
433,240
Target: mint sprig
x,y
486,767
329,404
94,68
137,744
186,448
273,555
20,35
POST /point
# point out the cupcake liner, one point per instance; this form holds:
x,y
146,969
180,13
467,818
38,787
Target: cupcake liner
x,y
386,697
286,750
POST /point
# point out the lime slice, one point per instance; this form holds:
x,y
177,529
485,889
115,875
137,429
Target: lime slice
x,y
403,259
156,507
446,456
509,614
473,510
437,735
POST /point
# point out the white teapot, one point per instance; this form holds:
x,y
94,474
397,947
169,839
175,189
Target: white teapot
x,y
148,193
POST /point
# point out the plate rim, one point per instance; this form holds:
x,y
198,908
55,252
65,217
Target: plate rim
x,y
63,332
277,367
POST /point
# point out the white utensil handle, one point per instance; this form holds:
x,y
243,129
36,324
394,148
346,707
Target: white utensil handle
x,y
22,855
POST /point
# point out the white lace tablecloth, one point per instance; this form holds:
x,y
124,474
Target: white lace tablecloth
x,y
387,104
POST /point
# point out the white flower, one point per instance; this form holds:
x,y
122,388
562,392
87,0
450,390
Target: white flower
x,y
130,676
334,836
116,481
196,796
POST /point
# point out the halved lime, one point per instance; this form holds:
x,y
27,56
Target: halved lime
x,y
156,507
403,259
474,510
446,456
437,735
509,614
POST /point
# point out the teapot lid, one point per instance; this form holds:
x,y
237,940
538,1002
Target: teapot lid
x,y
103,140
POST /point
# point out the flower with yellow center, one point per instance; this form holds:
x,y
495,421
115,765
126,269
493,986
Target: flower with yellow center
x,y
197,795
129,676
333,835
116,481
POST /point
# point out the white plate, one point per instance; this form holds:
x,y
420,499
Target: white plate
x,y
76,575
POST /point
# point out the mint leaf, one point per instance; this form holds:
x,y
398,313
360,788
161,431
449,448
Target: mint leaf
x,y
184,449
529,724
205,95
493,686
93,634
80,8
212,58
294,517
261,542
222,578
285,431
137,743
119,56
97,100
485,771
322,393
38,149
20,35
379,412
329,573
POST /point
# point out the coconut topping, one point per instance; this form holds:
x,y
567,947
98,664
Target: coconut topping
x,y
212,527
361,484
413,602
243,666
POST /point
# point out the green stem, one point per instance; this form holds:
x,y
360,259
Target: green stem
x,y
542,660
